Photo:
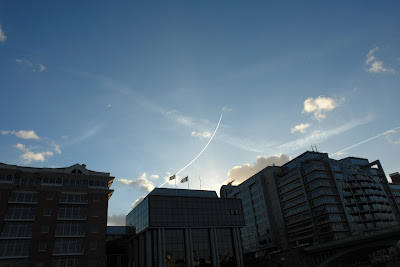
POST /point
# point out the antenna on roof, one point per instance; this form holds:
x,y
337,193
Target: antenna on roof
x,y
316,150
312,148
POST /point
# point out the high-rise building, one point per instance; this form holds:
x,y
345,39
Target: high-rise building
x,y
53,216
178,227
312,199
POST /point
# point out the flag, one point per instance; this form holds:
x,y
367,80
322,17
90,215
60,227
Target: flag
x,y
185,179
172,177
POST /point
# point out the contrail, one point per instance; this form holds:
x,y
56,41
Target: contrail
x,y
220,118
372,138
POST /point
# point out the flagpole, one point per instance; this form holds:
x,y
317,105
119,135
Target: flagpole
x,y
200,182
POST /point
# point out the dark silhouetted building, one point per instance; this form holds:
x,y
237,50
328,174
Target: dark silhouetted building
x,y
53,216
178,227
312,199
118,245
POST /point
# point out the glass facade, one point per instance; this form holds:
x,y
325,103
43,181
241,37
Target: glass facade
x,y
201,247
175,248
225,248
139,217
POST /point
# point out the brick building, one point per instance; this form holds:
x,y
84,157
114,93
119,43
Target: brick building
x,y
53,216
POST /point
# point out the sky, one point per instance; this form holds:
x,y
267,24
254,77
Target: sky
x,y
137,88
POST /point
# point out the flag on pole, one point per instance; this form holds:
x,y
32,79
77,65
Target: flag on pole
x,y
185,179
172,177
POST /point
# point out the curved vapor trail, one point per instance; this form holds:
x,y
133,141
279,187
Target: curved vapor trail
x,y
369,139
200,151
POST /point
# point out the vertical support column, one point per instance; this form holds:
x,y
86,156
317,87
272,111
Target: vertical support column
x,y
142,252
149,251
160,243
238,246
188,247
214,247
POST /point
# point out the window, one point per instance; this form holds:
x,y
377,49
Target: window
x,y
44,228
72,212
49,195
68,246
14,248
23,197
234,212
70,229
93,245
47,212
20,212
42,246
95,212
96,198
17,229
94,228
73,198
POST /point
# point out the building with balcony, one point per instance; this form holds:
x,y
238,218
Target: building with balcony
x,y
53,216
178,227
312,199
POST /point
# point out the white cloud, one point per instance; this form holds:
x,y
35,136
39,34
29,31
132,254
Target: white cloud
x,y
108,106
23,134
3,37
33,67
201,135
42,68
301,128
226,109
56,147
142,183
30,156
137,201
154,176
319,106
116,220
375,65
320,136
242,173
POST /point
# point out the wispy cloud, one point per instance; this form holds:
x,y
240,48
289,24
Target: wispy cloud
x,y
141,183
87,134
30,134
31,66
42,68
375,65
28,156
226,109
154,176
238,174
201,135
3,37
319,106
301,128
56,147
322,135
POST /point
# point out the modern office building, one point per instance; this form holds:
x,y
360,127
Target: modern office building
x,y
53,216
395,186
178,227
312,199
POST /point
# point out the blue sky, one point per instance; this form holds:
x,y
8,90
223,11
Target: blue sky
x,y
136,89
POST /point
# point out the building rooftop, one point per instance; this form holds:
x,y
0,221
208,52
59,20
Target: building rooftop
x,y
182,192
78,168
